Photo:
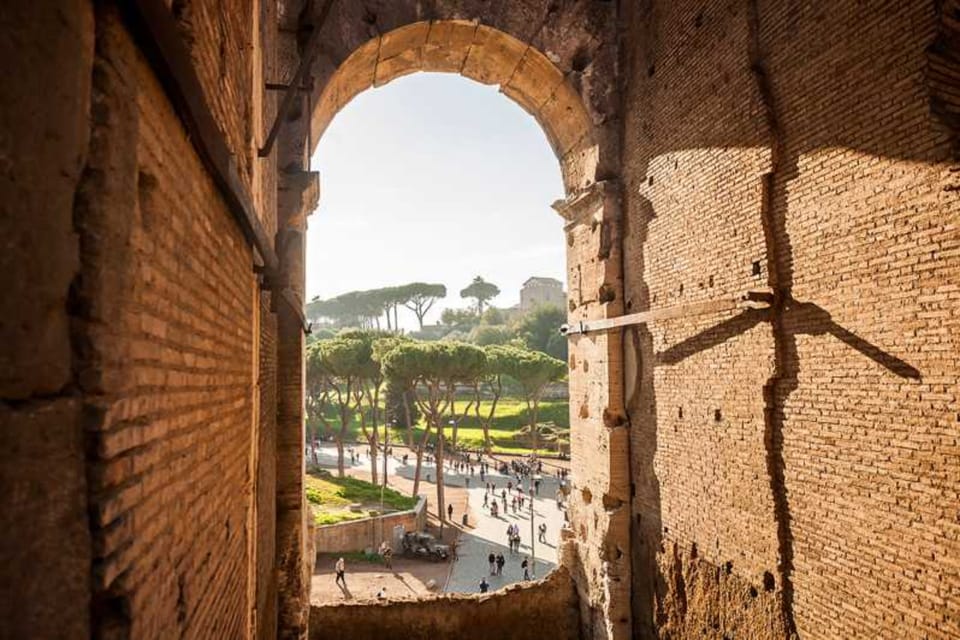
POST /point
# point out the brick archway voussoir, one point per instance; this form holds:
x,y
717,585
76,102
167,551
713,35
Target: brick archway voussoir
x,y
485,55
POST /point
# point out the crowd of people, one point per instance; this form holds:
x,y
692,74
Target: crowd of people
x,y
522,484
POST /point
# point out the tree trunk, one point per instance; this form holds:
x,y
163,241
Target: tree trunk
x,y
406,414
420,447
340,469
313,448
373,457
453,416
534,430
441,505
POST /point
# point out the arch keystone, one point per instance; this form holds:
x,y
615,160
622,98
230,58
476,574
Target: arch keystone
x,y
448,44
493,57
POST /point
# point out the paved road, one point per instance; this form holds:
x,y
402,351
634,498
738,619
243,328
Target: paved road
x,y
490,535
485,533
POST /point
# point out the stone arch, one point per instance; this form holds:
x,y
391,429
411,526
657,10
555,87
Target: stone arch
x,y
559,63
483,54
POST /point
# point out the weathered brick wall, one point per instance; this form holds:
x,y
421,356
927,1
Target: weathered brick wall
x,y
165,300
368,533
544,609
47,53
795,468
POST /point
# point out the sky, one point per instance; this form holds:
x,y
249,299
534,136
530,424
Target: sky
x,y
434,178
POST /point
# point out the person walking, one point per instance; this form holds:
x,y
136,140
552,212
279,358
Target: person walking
x,y
485,500
492,560
387,554
484,585
449,512
543,533
500,562
341,570
525,565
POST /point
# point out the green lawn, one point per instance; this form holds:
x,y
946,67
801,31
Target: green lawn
x,y
510,417
331,498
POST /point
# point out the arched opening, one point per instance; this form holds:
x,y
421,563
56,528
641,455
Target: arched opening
x,y
569,97
481,53
530,80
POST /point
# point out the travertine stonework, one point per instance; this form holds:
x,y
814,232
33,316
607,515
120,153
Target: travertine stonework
x,y
771,473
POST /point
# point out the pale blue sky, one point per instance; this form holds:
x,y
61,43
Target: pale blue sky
x,y
434,178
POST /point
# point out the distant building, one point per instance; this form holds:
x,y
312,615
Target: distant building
x,y
538,292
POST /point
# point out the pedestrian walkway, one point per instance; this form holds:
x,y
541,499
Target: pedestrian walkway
x,y
484,533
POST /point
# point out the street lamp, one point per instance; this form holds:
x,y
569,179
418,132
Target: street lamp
x,y
533,544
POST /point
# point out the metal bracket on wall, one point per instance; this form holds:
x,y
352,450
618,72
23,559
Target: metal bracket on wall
x,y
310,51
756,299
292,301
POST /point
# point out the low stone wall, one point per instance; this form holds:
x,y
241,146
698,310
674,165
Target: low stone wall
x,y
365,533
534,610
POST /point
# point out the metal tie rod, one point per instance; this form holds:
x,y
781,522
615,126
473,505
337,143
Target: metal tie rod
x,y
756,299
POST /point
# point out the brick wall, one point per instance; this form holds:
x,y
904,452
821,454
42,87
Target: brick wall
x,y
368,533
45,549
791,469
544,609
165,298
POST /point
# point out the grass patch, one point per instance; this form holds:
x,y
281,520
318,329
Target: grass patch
x,y
332,497
511,415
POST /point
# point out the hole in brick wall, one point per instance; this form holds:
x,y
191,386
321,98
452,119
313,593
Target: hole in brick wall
x,y
181,599
650,181
753,592
769,582
581,60
717,416
584,412
681,288
652,69
666,530
710,282
606,293
629,305
755,270
693,551
676,164
586,495
728,567
586,366
679,412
